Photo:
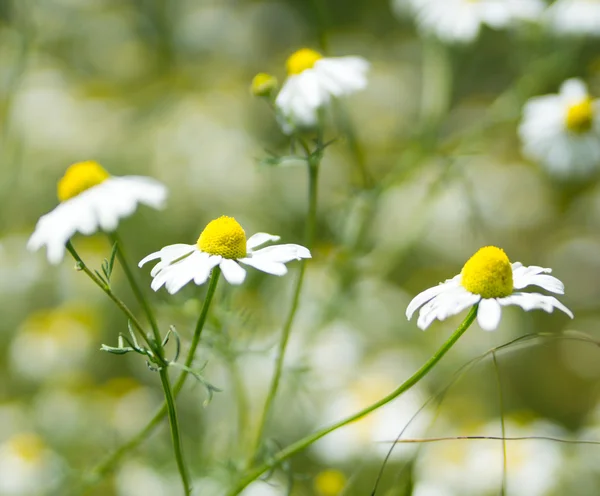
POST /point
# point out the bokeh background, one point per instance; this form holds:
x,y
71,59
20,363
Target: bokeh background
x,y
426,170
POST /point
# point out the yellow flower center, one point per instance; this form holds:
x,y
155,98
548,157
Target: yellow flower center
x,y
488,273
303,59
330,483
580,116
223,236
79,177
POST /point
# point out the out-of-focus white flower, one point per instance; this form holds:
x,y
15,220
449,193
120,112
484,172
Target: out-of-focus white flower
x,y
474,467
574,17
28,467
136,479
52,343
92,199
562,131
268,488
222,243
370,435
311,83
459,21
488,280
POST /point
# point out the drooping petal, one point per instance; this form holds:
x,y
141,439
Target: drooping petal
x,y
489,314
171,274
233,273
204,268
260,239
445,305
428,294
169,253
533,301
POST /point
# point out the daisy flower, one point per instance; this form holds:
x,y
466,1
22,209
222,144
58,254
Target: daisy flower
x,y
92,199
459,21
562,131
574,17
490,281
312,81
222,243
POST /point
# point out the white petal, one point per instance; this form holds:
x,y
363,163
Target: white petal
x,y
428,294
282,253
171,275
265,265
259,239
234,274
536,276
533,301
203,269
445,305
488,314
169,253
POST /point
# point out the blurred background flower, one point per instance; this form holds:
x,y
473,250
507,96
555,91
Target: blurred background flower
x,y
427,168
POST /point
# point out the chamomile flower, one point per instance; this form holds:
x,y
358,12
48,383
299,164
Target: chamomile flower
x,y
459,21
222,243
574,17
490,281
562,131
92,199
311,83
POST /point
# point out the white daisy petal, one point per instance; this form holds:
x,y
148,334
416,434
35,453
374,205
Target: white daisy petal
x,y
260,239
489,314
445,305
535,301
205,267
282,253
233,273
265,265
428,294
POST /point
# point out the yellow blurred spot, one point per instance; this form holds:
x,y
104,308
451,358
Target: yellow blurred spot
x,y
329,482
263,84
80,177
580,116
488,273
28,446
302,60
223,236
120,386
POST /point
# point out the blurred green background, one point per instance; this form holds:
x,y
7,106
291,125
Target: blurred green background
x,y
160,88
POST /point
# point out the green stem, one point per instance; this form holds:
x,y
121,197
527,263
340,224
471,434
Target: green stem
x,y
155,346
291,450
137,291
111,461
173,422
313,175
117,301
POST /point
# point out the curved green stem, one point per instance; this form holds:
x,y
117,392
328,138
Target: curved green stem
x,y
311,219
111,461
298,446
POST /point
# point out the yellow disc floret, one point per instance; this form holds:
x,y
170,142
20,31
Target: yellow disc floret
x,y
303,59
223,236
488,273
580,116
27,446
79,177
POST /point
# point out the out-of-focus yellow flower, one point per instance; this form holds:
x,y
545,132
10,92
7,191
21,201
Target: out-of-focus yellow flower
x,y
263,84
330,482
